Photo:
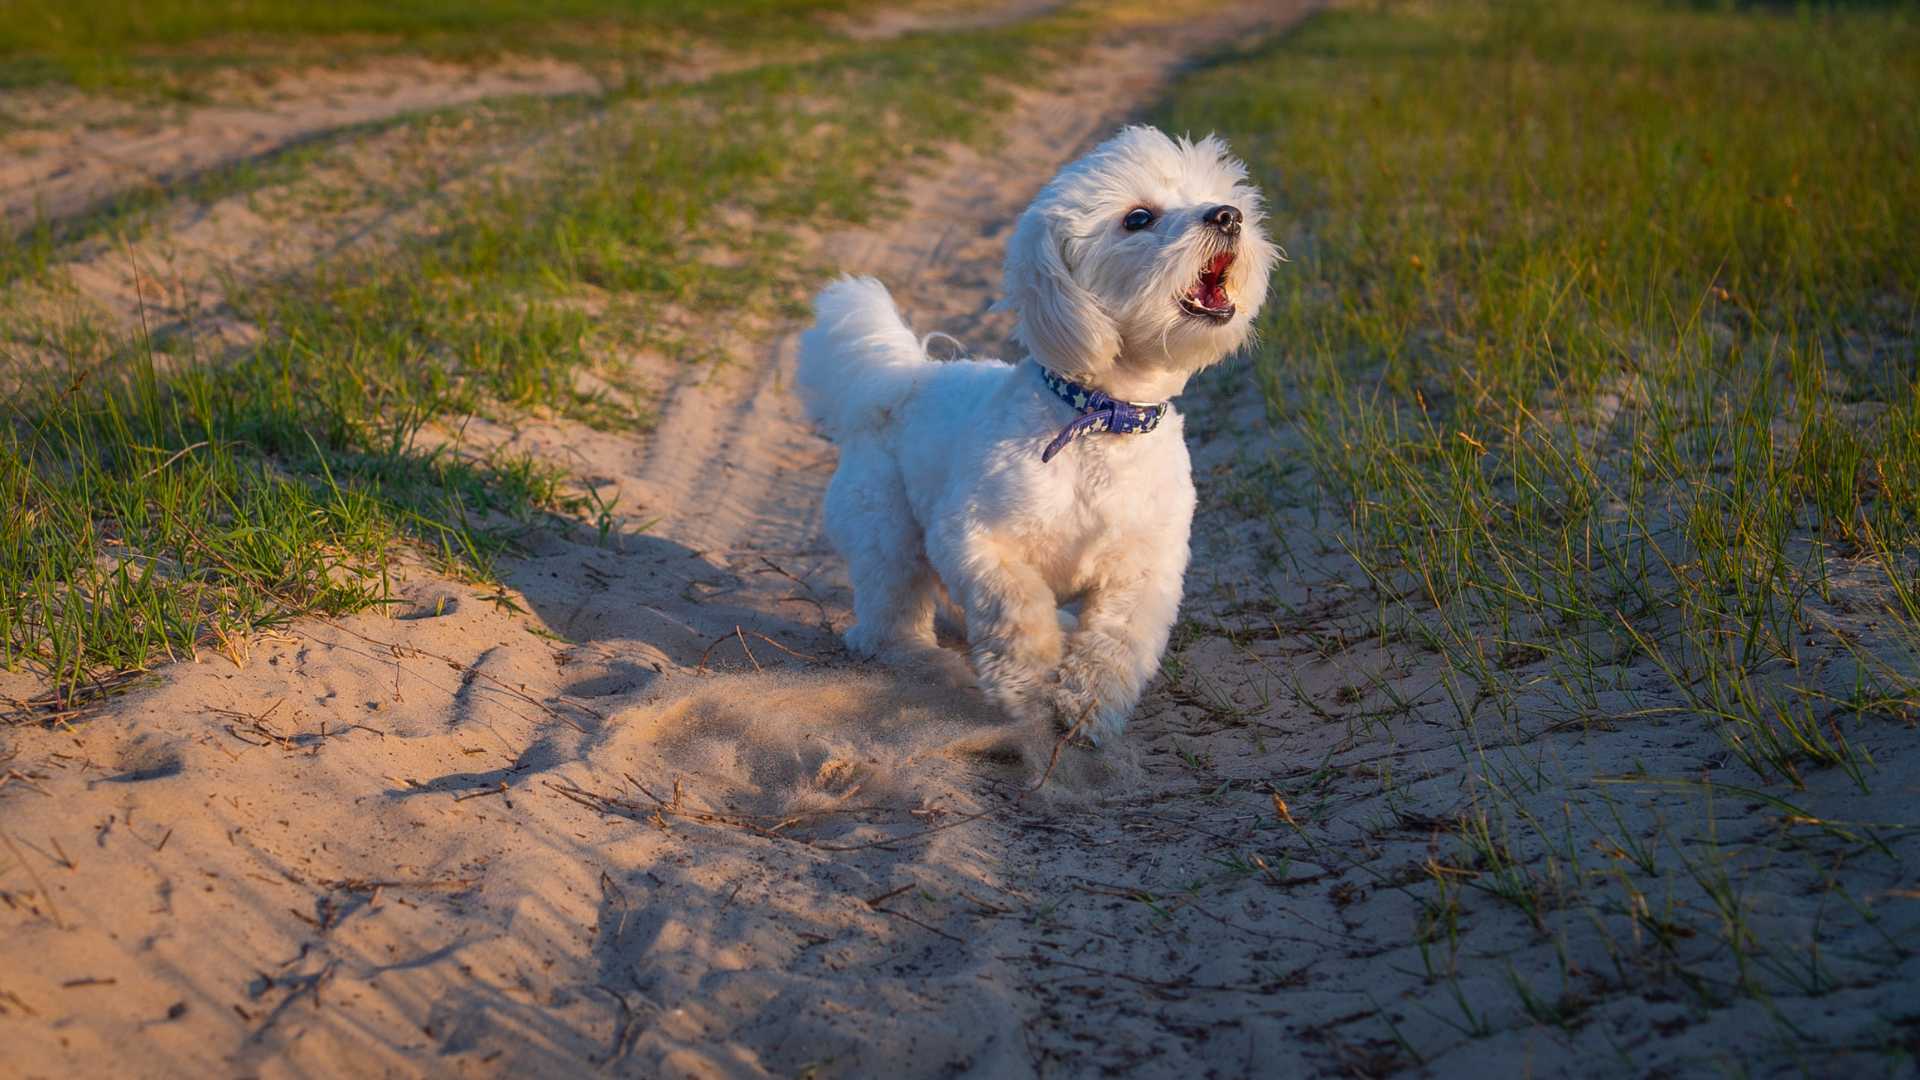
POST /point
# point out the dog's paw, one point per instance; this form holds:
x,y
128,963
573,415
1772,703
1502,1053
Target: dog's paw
x,y
864,641
1016,688
1093,692
1075,713
1084,716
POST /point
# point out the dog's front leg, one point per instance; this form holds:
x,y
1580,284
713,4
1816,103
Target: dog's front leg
x,y
1013,624
1125,618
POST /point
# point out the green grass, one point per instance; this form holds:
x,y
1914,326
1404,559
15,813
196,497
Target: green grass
x,y
1601,340
1604,331
112,42
174,499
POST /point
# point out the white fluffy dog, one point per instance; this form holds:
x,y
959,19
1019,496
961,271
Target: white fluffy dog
x,y
1019,488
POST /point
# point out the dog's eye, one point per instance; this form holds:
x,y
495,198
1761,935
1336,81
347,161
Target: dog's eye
x,y
1137,218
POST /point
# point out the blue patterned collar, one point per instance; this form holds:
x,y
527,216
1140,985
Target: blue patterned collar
x,y
1098,412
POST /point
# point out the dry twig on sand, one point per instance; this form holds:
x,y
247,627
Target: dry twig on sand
x,y
741,633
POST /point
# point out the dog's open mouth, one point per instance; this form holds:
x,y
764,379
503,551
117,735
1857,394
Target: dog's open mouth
x,y
1207,297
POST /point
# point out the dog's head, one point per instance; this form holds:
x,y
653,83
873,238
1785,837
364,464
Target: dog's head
x,y
1141,263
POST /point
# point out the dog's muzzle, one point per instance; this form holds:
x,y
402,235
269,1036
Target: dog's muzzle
x,y
1207,297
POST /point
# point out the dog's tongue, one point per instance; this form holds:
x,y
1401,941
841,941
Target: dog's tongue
x,y
1213,281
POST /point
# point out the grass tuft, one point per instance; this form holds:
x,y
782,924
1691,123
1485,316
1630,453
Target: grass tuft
x,y
176,498
1601,345
1605,332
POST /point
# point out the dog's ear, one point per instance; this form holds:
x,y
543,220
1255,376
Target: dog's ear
x,y
1060,321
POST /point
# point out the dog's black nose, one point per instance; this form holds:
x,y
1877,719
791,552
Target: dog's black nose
x,y
1224,218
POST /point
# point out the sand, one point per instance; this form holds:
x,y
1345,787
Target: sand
x,y
639,814
66,152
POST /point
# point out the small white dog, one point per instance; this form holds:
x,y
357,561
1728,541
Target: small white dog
x,y
1019,488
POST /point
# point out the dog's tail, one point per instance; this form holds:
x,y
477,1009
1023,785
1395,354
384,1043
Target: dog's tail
x,y
859,361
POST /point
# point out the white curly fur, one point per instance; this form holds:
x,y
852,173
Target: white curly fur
x,y
940,484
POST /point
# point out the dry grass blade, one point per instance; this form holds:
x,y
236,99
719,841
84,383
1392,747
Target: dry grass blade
x,y
740,633
53,907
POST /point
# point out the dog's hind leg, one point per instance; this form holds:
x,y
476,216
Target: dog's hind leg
x,y
872,527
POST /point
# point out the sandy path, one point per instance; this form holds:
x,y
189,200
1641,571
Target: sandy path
x,y
63,152
390,842
177,275
54,167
